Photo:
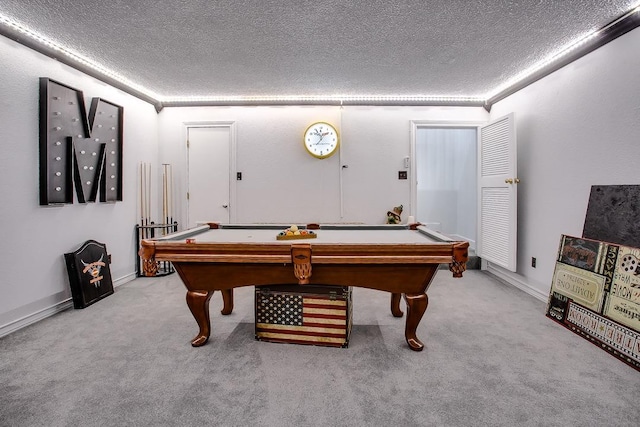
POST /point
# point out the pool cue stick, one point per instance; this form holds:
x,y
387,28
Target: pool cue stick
x,y
140,190
166,167
147,176
171,194
149,195
148,198
144,199
164,195
142,174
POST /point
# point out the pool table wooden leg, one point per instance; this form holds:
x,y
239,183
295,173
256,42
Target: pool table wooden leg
x,y
227,299
198,302
416,306
395,305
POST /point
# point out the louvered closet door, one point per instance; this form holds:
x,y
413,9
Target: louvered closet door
x,y
497,201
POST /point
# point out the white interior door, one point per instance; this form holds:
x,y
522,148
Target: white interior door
x,y
209,159
497,195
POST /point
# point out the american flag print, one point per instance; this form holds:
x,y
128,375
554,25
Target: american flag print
x,y
303,319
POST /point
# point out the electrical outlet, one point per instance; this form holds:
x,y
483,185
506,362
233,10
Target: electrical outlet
x,y
533,262
402,174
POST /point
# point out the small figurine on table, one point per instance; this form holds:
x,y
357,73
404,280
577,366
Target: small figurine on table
x,y
393,217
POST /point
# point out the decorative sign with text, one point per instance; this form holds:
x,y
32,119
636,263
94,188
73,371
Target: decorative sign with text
x,y
77,150
596,293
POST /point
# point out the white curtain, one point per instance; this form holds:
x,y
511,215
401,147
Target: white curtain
x,y
446,180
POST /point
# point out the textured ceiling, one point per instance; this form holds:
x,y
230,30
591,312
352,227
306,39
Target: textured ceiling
x,y
177,48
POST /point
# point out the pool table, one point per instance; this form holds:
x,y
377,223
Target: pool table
x,y
399,259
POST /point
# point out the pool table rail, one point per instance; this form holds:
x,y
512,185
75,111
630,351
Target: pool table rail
x,y
440,252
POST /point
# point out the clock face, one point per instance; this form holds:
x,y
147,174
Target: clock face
x,y
321,140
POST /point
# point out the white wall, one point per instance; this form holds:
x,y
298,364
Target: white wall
x,y
34,238
282,183
578,127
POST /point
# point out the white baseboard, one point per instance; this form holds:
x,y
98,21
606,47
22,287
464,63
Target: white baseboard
x,y
41,314
35,317
124,279
517,281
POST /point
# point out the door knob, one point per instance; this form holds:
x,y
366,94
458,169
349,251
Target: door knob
x,y
508,181
225,206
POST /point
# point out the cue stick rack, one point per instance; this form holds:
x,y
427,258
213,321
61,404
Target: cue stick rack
x,y
147,228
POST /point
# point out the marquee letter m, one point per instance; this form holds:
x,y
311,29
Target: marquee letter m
x,y
78,149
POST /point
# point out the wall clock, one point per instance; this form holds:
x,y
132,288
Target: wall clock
x,y
321,140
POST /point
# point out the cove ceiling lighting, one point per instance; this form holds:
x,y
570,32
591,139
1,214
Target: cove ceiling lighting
x,y
583,45
74,57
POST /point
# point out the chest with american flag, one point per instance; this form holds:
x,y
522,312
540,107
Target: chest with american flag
x,y
317,315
